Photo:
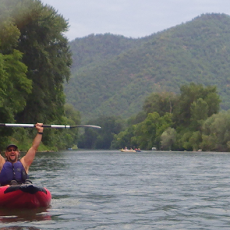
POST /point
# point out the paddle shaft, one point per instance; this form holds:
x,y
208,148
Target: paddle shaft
x,y
50,126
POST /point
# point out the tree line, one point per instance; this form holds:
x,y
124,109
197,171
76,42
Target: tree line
x,y
35,61
187,121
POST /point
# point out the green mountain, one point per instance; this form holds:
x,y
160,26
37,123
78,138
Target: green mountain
x,y
112,75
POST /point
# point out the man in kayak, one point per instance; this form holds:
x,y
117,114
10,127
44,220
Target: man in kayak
x,y
14,170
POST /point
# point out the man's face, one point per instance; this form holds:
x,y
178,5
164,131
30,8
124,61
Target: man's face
x,y
12,154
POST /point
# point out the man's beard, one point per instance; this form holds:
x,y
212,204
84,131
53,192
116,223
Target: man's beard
x,y
13,158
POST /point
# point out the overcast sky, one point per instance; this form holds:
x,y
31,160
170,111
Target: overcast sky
x,y
131,18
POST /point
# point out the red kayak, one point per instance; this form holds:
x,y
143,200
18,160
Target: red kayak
x,y
24,196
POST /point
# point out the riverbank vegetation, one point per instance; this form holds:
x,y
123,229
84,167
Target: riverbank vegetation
x,y
188,121
35,61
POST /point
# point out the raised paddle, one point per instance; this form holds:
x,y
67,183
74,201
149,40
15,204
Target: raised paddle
x,y
50,126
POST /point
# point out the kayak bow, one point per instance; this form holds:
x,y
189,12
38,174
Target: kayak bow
x,y
24,196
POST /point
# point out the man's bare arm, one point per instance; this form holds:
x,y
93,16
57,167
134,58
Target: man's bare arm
x,y
29,157
2,161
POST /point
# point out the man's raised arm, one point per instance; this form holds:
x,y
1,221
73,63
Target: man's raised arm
x,y
29,157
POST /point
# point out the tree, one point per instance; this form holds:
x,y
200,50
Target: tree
x,y
34,63
101,139
185,109
160,102
14,84
148,133
125,138
168,138
199,113
47,56
195,140
216,132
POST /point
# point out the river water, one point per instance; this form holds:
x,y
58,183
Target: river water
x,y
114,190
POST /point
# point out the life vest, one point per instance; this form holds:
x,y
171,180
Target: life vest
x,y
11,172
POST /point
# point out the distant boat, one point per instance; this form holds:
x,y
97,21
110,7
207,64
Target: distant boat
x,y
154,148
130,150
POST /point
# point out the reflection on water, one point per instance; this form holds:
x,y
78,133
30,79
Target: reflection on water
x,y
17,215
19,228
46,161
114,190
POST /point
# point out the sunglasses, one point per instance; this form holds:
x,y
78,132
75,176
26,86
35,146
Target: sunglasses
x,y
11,150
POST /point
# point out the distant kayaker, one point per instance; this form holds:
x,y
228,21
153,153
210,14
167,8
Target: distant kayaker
x,y
14,170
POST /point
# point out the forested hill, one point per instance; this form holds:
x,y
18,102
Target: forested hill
x,y
112,75
96,49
